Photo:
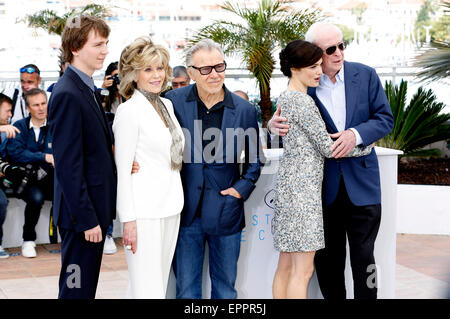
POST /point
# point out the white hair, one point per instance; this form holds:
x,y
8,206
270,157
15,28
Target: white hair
x,y
315,28
205,44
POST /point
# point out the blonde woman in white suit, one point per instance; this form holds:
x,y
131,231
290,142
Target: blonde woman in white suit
x,y
149,202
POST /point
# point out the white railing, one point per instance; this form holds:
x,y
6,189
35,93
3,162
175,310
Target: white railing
x,y
8,81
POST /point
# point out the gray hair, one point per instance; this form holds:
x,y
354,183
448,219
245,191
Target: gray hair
x,y
311,34
33,92
205,44
180,70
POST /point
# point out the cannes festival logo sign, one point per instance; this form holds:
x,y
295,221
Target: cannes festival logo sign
x,y
269,198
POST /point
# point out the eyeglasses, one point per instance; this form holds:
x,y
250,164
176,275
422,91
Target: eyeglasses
x,y
333,48
205,70
29,69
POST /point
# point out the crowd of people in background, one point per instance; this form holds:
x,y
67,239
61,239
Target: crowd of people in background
x,y
130,147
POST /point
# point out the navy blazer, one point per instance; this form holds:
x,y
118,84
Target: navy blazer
x,y
85,171
368,111
23,149
220,215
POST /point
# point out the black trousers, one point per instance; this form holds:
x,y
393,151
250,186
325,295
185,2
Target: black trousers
x,y
360,225
80,266
34,196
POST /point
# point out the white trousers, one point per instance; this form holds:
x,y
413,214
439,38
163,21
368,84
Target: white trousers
x,y
149,267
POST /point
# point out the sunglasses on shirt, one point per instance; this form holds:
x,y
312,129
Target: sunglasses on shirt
x,y
205,70
29,69
332,49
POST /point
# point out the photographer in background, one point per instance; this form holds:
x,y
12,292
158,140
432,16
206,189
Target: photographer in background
x,y
180,77
6,131
32,148
110,91
111,101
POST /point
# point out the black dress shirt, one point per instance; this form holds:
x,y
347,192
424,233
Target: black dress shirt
x,y
210,118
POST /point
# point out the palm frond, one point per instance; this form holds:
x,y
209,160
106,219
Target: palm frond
x,y
417,124
435,62
255,38
227,34
50,21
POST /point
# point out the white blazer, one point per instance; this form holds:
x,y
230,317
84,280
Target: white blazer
x,y
140,135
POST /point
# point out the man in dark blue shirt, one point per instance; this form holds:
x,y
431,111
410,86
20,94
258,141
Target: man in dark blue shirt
x,y
6,131
214,187
32,148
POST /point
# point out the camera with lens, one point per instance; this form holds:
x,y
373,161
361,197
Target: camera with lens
x,y
16,177
110,90
116,80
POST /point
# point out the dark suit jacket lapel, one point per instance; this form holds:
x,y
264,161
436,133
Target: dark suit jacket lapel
x,y
90,97
323,111
228,121
190,111
351,79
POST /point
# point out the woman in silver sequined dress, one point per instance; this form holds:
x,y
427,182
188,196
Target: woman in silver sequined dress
x,y
298,223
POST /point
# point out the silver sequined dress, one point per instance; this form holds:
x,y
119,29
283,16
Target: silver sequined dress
x,y
298,223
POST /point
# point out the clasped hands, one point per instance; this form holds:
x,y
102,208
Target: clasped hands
x,y
346,140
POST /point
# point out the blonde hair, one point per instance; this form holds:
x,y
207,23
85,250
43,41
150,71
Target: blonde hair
x,y
135,57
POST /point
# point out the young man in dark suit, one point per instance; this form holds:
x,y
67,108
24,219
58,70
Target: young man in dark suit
x,y
85,172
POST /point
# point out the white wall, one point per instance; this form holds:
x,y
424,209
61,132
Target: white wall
x,y
423,209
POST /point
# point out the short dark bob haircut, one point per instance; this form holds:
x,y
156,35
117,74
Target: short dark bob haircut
x,y
299,54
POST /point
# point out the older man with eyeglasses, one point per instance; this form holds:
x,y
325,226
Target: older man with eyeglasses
x,y
355,109
218,127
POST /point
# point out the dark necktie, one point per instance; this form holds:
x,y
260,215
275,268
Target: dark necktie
x,y
102,112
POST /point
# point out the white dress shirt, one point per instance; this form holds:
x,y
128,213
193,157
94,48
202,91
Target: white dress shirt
x,y
332,96
37,129
155,191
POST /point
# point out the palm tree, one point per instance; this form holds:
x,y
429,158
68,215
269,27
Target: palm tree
x,y
435,62
50,21
54,24
416,125
262,32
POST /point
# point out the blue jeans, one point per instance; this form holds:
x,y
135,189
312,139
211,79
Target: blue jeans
x,y
110,230
3,207
188,262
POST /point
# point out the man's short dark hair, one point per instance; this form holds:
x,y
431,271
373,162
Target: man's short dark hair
x,y
4,98
33,92
180,70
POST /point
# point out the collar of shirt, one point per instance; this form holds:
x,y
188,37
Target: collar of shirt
x,y
325,80
36,127
89,81
227,99
332,96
